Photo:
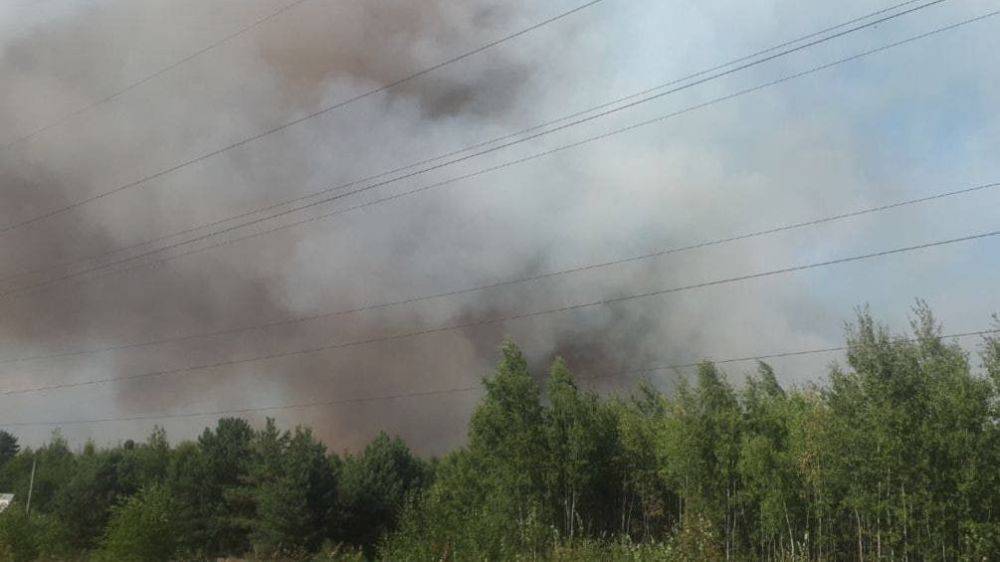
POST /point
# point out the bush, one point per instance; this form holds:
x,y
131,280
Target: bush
x,y
143,529
623,550
18,537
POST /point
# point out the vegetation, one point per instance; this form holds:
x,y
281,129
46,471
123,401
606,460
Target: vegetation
x,y
896,457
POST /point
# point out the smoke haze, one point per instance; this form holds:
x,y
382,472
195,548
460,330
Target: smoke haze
x,y
863,135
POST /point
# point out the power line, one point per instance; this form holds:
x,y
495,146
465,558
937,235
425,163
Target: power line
x,y
535,156
434,167
520,280
154,75
381,398
787,354
512,317
481,144
272,130
445,391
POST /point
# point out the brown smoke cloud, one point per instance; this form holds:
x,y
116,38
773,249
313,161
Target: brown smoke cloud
x,y
309,58
768,159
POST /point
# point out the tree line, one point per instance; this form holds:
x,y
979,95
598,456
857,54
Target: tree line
x,y
896,456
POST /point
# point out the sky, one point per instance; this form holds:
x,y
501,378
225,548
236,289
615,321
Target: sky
x,y
908,122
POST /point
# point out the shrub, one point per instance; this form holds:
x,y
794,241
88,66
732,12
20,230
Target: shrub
x,y
143,529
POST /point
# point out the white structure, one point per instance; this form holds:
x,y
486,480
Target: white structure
x,y
5,500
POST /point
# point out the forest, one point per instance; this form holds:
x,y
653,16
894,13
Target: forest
x,y
894,455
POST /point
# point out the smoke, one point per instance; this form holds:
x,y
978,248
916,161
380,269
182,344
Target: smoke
x,y
695,179
272,76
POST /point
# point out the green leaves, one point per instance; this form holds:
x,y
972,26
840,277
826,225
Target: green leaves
x,y
145,528
374,488
897,456
8,447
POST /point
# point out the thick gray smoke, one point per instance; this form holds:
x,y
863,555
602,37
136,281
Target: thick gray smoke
x,y
308,58
706,175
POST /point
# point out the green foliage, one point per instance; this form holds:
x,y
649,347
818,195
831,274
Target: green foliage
x,y
507,430
8,447
583,457
700,444
621,550
374,488
223,504
897,457
294,493
39,537
55,466
143,529
19,538
99,481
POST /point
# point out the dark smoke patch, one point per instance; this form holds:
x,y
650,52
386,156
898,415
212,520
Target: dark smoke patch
x,y
355,47
317,55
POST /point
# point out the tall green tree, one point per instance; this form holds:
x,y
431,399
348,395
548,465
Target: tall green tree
x,y
584,479
700,446
650,504
912,427
294,492
144,528
773,509
488,501
224,463
8,447
507,431
100,480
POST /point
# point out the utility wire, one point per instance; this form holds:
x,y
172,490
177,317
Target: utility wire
x,y
515,281
786,354
441,392
111,97
236,411
511,317
475,146
282,127
535,156
442,165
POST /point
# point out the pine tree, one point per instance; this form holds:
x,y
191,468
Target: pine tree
x,y
8,447
375,487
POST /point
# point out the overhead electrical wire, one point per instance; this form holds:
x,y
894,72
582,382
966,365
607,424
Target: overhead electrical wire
x,y
531,129
503,319
480,144
604,302
516,281
788,354
440,392
257,136
156,74
588,140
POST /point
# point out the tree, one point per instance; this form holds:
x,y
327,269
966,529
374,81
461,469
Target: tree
x,y
83,502
584,452
895,457
188,481
374,487
144,528
650,505
487,500
226,507
18,537
913,430
699,448
507,430
294,492
772,490
8,447
55,466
